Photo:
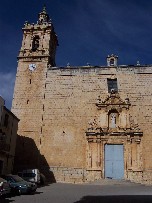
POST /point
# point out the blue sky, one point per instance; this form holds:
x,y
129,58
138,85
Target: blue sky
x,y
88,30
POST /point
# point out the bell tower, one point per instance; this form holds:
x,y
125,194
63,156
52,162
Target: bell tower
x,y
37,52
39,40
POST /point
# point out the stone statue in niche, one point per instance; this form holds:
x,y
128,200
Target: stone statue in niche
x,y
113,120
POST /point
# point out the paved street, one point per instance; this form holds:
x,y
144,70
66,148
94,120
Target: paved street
x,y
106,191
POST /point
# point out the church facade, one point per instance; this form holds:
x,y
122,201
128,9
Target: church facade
x,y
81,123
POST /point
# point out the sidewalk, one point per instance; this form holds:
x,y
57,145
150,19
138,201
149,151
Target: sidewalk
x,y
113,182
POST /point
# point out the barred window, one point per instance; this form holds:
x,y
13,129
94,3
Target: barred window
x,y
112,85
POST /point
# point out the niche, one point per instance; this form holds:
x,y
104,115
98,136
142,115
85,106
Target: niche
x,y
113,117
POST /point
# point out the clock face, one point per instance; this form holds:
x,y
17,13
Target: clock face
x,y
32,67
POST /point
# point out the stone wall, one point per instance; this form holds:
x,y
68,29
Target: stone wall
x,y
62,103
64,174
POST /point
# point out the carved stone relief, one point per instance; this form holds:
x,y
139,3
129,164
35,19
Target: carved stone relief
x,y
114,124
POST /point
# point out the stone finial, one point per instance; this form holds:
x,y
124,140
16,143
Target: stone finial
x,y
43,16
26,23
112,60
68,64
44,9
138,63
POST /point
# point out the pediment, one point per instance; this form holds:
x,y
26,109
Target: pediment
x,y
114,100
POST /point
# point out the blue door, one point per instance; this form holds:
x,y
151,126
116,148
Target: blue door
x,y
114,161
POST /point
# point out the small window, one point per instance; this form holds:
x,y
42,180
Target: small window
x,y
112,85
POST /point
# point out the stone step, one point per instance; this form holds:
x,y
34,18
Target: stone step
x,y
108,181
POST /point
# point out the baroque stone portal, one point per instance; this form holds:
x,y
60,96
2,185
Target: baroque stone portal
x,y
115,125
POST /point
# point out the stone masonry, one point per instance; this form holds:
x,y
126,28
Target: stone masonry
x,y
70,114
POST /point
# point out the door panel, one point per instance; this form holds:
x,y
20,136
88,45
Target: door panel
x,y
114,161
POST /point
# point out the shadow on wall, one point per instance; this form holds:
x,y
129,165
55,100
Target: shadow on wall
x,y
116,198
27,156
